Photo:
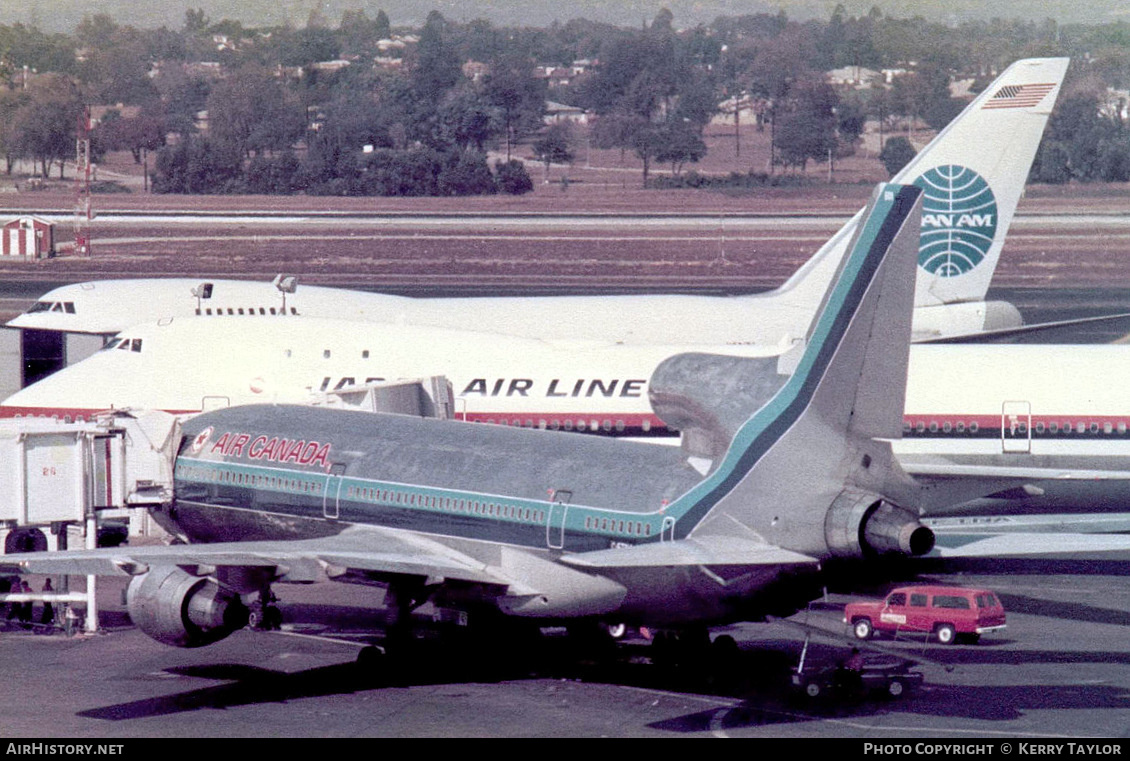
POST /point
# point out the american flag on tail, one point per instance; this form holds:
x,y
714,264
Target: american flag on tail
x,y
1019,96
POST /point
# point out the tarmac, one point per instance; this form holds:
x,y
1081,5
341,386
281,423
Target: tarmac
x,y
1060,670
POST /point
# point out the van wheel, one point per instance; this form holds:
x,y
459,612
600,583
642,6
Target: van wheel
x,y
862,628
947,635
896,688
616,631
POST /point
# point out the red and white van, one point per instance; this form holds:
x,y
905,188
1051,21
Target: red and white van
x,y
949,613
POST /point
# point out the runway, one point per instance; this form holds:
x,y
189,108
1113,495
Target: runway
x,y
670,249
1060,670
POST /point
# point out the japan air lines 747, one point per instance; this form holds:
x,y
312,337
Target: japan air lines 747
x,y
971,410
972,174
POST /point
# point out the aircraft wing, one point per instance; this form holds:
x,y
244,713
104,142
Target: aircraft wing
x,y
373,550
945,484
704,551
944,469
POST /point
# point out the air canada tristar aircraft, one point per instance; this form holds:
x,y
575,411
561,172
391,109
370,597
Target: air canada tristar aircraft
x,y
973,174
551,527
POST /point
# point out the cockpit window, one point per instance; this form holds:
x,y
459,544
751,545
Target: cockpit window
x,y
52,306
111,344
125,344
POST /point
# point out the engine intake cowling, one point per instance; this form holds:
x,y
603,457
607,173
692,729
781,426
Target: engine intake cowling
x,y
863,524
179,609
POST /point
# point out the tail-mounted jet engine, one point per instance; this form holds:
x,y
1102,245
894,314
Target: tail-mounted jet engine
x,y
862,524
179,609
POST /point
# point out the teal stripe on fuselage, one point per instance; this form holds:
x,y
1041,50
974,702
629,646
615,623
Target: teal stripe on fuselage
x,y
449,512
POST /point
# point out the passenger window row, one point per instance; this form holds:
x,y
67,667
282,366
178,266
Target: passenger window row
x,y
226,476
447,504
629,528
568,424
1021,428
219,311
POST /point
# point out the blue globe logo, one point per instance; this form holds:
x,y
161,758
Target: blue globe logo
x,y
959,220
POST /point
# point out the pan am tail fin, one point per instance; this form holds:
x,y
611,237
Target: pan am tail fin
x,y
973,174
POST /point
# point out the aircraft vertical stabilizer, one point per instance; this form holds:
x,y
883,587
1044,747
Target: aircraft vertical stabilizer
x,y
973,174
812,445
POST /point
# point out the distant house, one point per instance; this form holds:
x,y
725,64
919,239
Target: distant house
x,y
581,66
750,110
205,69
475,70
98,113
554,76
889,75
559,112
329,67
857,77
962,88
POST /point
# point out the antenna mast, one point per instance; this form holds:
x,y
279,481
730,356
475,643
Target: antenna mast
x,y
82,185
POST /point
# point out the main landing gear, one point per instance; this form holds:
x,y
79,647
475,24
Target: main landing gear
x,y
264,615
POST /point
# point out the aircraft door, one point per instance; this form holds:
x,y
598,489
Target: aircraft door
x,y
1016,427
332,495
555,524
667,530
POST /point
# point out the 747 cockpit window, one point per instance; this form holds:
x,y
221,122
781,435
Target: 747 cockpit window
x,y
52,306
125,344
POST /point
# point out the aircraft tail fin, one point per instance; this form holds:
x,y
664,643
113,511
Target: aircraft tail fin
x,y
973,174
805,472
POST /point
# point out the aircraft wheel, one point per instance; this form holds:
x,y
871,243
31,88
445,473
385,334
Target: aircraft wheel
x,y
895,688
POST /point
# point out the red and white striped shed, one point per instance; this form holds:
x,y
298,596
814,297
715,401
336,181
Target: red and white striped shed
x,y
28,236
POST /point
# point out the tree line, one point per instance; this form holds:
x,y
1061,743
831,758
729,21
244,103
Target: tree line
x,y
339,110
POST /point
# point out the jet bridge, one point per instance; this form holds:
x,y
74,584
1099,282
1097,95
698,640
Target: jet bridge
x,y
66,477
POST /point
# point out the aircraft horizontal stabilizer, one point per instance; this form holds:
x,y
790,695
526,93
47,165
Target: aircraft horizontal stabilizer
x,y
1064,523
1058,331
704,551
1034,546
